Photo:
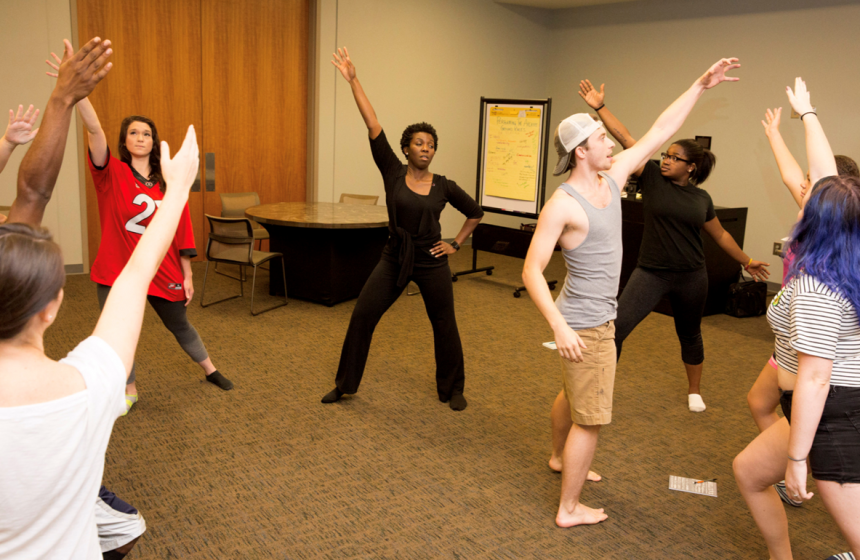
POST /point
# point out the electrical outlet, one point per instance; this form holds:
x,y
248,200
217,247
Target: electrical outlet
x,y
777,248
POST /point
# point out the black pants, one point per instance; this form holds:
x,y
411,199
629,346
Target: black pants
x,y
173,315
687,293
379,292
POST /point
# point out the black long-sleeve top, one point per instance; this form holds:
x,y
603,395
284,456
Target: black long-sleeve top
x,y
413,219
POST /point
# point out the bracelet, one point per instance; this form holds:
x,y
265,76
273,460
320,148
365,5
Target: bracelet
x,y
747,266
790,458
455,245
604,105
808,113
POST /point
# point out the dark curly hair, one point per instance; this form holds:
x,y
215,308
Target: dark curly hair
x,y
410,131
154,155
702,159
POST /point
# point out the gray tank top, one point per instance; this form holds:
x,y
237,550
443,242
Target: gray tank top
x,y
589,296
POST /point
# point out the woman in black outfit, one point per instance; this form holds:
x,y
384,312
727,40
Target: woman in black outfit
x,y
415,198
671,258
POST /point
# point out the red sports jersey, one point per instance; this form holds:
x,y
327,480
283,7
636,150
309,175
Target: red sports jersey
x,y
126,207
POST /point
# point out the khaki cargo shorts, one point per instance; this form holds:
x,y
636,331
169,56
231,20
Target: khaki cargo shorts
x,y
588,385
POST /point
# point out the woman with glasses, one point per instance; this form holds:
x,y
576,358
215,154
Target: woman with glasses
x,y
671,257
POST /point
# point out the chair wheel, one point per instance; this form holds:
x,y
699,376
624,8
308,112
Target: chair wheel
x,y
489,273
517,294
453,279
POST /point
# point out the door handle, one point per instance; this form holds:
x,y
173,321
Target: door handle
x,y
195,186
210,172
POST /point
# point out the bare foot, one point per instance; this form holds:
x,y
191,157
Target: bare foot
x,y
555,464
581,515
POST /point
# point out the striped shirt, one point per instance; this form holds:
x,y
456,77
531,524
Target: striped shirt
x,y
807,316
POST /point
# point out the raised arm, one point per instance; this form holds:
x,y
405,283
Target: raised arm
x,y
789,169
78,75
818,151
347,69
18,132
668,123
120,321
95,134
596,100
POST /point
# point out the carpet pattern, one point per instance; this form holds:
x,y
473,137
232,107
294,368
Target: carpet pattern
x,y
266,471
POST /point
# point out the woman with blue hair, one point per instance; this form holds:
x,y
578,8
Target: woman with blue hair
x,y
815,322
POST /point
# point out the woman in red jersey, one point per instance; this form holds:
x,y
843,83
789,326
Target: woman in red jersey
x,y
129,191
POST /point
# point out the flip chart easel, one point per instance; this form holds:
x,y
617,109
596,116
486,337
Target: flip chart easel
x,y
513,139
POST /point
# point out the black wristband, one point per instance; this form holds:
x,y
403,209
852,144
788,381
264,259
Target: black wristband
x,y
808,113
602,105
455,245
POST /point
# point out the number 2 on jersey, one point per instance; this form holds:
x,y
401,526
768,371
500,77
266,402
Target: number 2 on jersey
x,y
133,225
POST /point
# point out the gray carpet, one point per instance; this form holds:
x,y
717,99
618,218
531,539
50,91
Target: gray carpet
x,y
266,471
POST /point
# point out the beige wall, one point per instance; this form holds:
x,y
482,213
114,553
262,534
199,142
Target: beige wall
x,y
433,62
421,61
647,64
31,29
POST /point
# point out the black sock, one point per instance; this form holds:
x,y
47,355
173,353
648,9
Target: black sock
x,y
217,379
332,396
458,402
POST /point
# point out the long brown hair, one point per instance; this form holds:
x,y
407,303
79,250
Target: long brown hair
x,y
154,155
31,275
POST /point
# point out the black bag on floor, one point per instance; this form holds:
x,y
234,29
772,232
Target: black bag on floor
x,y
747,299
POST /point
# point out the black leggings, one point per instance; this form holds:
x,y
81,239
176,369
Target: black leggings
x,y
379,292
172,314
687,293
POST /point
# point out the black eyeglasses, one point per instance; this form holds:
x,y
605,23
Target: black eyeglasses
x,y
673,157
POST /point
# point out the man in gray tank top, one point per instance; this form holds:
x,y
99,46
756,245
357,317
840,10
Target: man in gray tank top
x,y
584,217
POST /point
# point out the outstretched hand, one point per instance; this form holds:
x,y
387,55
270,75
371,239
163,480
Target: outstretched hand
x,y
20,129
343,63
717,73
180,171
79,72
771,122
758,270
591,96
799,98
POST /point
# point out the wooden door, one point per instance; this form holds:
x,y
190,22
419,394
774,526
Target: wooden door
x,y
255,98
235,69
156,73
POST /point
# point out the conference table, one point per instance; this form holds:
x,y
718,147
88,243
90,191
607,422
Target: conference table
x,y
329,248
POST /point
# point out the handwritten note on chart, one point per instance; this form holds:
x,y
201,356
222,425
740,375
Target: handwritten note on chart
x,y
513,152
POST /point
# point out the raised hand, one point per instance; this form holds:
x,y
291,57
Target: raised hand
x,y
799,98
180,171
343,63
56,66
79,72
771,122
20,129
717,73
591,96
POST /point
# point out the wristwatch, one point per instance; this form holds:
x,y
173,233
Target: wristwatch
x,y
455,245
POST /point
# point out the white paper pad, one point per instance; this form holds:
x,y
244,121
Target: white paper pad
x,y
551,345
693,486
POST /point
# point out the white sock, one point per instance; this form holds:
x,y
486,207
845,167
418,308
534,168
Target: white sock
x,y
695,402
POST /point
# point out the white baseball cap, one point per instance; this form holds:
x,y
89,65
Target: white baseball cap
x,y
572,132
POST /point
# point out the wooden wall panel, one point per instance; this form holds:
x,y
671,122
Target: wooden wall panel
x,y
255,88
156,73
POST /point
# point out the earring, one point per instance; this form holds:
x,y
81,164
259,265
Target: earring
x,y
50,317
